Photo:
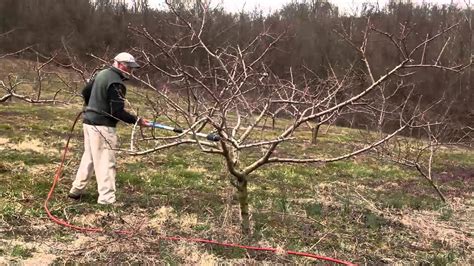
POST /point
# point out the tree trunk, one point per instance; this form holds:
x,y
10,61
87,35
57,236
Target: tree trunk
x,y
470,55
314,134
315,130
440,194
244,205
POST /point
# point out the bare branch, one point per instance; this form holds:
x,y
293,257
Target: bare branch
x,y
342,157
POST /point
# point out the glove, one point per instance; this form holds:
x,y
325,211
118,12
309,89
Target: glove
x,y
144,122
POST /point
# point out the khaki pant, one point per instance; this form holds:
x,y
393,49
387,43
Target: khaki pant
x,y
99,142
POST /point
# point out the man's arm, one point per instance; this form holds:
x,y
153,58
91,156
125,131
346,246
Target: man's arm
x,y
86,92
116,96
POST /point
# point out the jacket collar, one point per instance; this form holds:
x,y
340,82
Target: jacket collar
x,y
122,76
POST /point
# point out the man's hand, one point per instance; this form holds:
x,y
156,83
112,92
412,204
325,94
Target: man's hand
x,y
144,122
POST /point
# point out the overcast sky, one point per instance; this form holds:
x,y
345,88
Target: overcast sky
x,y
272,5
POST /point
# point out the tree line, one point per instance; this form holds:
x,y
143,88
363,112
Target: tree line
x,y
316,38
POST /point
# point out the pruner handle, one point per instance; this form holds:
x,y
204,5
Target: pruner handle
x,y
213,137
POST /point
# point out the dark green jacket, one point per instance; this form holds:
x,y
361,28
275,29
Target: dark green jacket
x,y
105,99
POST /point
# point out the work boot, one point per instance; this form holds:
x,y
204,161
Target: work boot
x,y
111,203
74,196
75,193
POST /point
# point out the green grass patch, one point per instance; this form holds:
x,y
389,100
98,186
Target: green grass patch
x,y
373,221
349,169
174,161
202,227
401,200
5,127
454,158
10,211
129,179
446,213
314,210
21,252
440,259
27,157
227,252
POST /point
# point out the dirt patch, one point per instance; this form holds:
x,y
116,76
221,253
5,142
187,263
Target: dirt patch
x,y
29,145
90,219
428,227
9,113
5,167
458,182
41,169
40,255
193,255
39,259
462,174
3,141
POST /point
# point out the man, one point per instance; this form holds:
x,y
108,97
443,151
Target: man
x,y
104,98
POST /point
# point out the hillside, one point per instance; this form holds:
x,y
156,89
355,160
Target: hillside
x,y
361,210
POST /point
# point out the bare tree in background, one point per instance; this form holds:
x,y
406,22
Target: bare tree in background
x,y
471,54
236,90
422,153
30,86
434,126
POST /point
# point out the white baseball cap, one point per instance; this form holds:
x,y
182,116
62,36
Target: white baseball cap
x,y
126,58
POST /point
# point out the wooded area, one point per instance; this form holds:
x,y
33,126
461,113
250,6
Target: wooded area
x,y
313,39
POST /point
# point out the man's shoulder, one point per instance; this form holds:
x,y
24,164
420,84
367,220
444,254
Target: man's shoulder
x,y
110,75
102,71
105,71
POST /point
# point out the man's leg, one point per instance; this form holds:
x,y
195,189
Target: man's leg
x,y
104,162
85,168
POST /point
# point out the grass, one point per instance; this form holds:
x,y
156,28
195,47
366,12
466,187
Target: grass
x,y
349,209
21,252
401,200
28,158
456,158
